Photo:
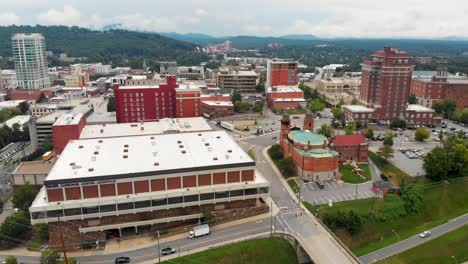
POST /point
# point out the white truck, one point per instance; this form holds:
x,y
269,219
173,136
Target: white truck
x,y
201,230
227,126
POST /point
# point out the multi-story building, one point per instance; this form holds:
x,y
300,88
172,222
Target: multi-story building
x,y
285,97
351,147
167,68
385,83
281,72
30,57
340,85
77,79
217,109
421,115
191,73
243,82
359,114
118,186
314,160
429,90
147,103
67,127
8,79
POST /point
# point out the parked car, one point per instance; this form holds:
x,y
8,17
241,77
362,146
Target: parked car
x,y
167,251
122,260
320,185
425,234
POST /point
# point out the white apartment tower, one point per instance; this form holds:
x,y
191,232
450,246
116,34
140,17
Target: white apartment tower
x,y
30,61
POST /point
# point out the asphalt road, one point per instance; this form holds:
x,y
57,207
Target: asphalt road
x,y
181,245
414,241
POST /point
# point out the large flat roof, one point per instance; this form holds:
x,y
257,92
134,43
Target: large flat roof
x,y
220,103
418,108
138,156
20,119
162,126
283,89
69,119
33,167
358,108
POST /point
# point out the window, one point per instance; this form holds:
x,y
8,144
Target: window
x,y
219,195
190,198
159,202
38,215
206,196
142,204
175,200
263,190
107,208
236,193
125,206
251,191
90,210
54,213
73,211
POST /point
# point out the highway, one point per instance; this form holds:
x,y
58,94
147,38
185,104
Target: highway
x,y
414,241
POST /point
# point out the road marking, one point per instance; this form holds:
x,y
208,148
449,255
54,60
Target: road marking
x,y
309,187
333,183
327,184
350,196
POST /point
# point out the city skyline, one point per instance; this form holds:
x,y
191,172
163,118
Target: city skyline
x,y
334,18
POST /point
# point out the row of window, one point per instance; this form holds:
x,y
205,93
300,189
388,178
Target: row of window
x,y
147,203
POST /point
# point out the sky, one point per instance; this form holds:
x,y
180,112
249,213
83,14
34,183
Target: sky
x,y
330,18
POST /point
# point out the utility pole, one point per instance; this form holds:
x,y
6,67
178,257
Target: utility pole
x,y
356,192
271,220
62,241
159,252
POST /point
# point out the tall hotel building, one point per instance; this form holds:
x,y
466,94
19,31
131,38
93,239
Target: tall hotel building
x,y
30,57
281,73
385,83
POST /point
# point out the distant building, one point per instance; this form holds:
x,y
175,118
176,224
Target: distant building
x,y
30,57
243,82
187,101
167,68
351,147
285,97
329,70
359,113
21,120
421,115
340,85
8,79
191,73
10,104
217,109
281,72
77,79
30,95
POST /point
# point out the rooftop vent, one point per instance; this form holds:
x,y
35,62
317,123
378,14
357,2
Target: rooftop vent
x,y
100,141
229,150
215,158
218,137
125,156
199,134
183,151
181,146
90,169
151,137
133,125
125,150
207,144
80,146
178,141
96,152
72,163
126,146
102,131
156,164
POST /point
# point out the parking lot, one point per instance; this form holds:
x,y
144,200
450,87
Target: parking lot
x,y
11,150
334,191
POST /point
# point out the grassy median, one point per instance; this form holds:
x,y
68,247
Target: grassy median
x,y
449,248
293,184
261,251
442,202
350,177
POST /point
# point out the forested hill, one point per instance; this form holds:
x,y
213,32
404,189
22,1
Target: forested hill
x,y
105,46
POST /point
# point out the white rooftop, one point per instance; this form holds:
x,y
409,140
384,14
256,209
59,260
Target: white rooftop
x,y
358,108
163,126
68,119
418,108
283,89
282,100
98,159
101,118
219,103
11,103
240,73
20,119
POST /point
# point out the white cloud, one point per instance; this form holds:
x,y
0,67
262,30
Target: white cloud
x,y
69,16
200,12
147,23
8,18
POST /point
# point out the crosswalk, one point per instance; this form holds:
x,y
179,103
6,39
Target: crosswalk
x,y
337,197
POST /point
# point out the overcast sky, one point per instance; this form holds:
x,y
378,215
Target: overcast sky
x,y
329,18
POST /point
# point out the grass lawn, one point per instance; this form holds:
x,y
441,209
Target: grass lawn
x,y
251,152
261,251
293,184
350,177
393,173
442,202
439,250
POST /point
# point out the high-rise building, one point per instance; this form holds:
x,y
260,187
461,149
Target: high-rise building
x,y
281,72
385,84
243,82
30,61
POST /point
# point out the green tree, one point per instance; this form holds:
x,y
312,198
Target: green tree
x,y
41,231
111,104
23,107
350,128
236,97
421,134
14,228
354,222
342,102
72,261
412,99
436,164
275,152
386,152
258,106
399,123
355,101
42,98
316,105
50,256
287,166
241,106
325,130
23,197
338,114
11,260
413,196
369,132
445,107
394,208
388,139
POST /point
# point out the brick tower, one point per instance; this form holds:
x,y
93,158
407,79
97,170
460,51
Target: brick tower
x,y
285,128
308,122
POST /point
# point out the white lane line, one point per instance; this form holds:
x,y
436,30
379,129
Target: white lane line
x,y
311,185
350,196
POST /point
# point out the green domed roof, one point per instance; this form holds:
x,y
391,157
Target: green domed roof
x,y
303,137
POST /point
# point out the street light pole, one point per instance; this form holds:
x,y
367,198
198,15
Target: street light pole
x,y
159,252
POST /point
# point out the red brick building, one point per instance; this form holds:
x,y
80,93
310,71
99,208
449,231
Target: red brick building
x,y
66,128
146,103
285,97
217,109
309,150
350,147
430,90
281,72
385,83
31,95
421,115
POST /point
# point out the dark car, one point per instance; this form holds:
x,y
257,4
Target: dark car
x,y
167,251
385,178
320,185
122,260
